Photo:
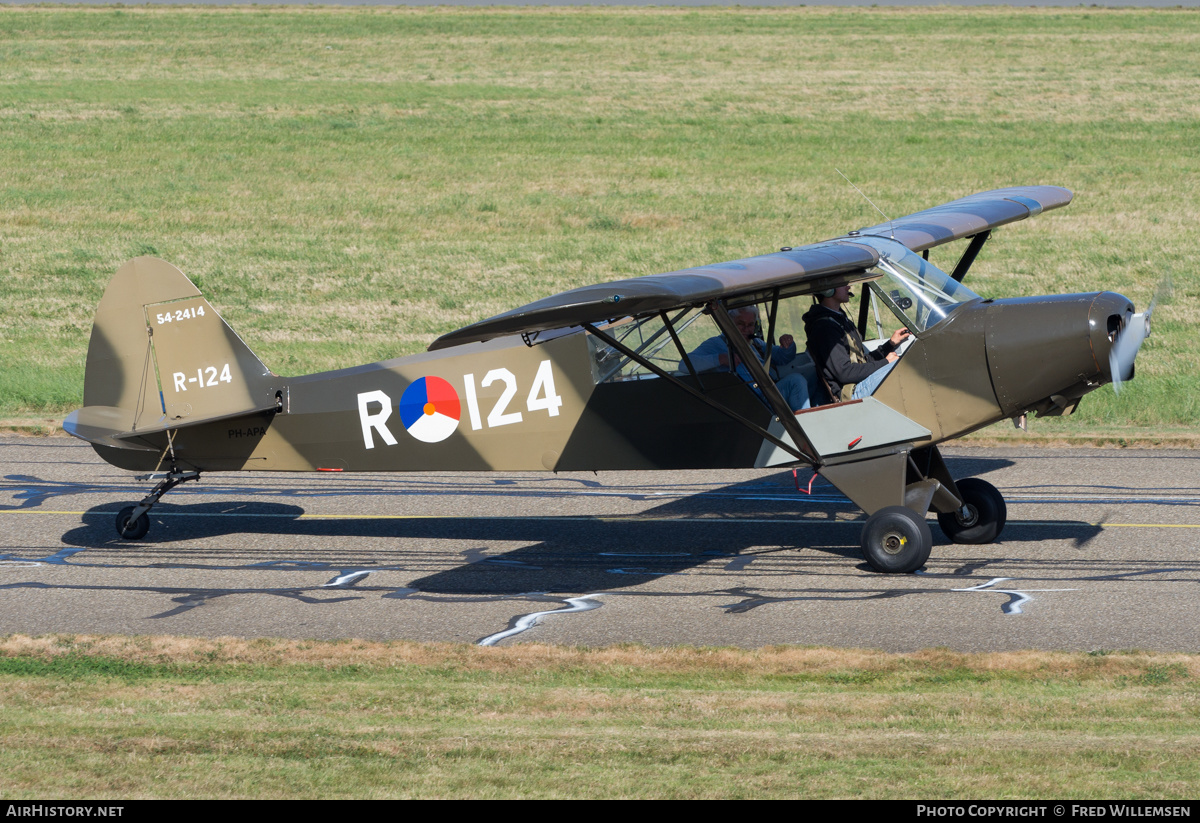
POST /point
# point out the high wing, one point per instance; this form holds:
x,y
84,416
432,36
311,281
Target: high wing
x,y
828,261
639,296
970,216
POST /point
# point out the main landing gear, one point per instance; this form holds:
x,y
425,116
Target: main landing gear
x,y
896,538
982,516
134,521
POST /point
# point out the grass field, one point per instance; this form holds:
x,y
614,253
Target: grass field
x,y
175,718
348,183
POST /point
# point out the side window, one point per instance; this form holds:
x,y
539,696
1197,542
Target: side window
x,y
650,338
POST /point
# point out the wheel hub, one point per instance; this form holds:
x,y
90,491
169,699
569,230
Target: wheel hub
x,y
967,516
893,542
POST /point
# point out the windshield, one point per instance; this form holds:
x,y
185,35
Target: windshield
x,y
921,294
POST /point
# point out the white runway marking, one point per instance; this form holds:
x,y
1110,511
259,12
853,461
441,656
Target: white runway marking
x,y
345,581
577,604
1019,596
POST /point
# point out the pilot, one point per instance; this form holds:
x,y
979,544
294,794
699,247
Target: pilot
x,y
714,355
848,369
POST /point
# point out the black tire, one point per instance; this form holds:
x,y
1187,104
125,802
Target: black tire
x,y
986,517
896,540
132,530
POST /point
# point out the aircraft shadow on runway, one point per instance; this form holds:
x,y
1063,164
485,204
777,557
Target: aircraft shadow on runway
x,y
730,526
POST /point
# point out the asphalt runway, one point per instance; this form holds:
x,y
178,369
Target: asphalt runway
x,y
1100,552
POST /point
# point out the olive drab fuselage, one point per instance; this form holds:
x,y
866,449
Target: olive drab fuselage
x,y
600,379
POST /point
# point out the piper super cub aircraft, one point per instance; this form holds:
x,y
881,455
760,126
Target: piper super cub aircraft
x,y
600,377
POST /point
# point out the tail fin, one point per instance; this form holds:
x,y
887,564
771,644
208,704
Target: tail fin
x,y
160,357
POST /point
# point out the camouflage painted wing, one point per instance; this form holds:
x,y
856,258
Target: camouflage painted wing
x,y
969,216
639,296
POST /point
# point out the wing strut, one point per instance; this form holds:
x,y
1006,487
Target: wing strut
x,y
771,327
765,384
668,325
687,361
968,257
864,305
703,398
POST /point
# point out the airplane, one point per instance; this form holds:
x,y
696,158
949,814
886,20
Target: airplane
x,y
600,378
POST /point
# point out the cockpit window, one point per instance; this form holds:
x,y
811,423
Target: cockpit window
x,y
650,338
920,294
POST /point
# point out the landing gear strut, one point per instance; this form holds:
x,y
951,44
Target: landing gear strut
x,y
134,521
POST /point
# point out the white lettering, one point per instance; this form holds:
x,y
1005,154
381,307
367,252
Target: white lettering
x,y
472,402
377,420
180,381
39,810
544,381
497,417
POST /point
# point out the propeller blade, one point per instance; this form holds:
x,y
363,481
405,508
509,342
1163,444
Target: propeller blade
x,y
1125,348
1162,294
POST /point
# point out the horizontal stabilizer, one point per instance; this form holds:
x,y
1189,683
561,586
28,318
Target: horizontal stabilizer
x,y
102,425
108,425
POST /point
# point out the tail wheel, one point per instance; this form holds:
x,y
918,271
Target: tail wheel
x,y
896,540
982,517
129,528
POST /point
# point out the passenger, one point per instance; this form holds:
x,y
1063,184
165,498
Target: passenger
x,y
849,370
714,355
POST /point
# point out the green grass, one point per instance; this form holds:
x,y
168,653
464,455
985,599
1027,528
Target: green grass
x,y
175,718
346,184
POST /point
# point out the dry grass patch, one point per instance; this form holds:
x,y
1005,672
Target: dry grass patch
x,y
768,661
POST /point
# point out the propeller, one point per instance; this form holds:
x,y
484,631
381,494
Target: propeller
x,y
1125,348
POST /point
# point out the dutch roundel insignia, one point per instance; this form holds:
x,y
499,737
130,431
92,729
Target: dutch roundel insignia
x,y
430,409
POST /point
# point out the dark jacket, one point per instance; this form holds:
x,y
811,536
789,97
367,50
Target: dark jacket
x,y
837,350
